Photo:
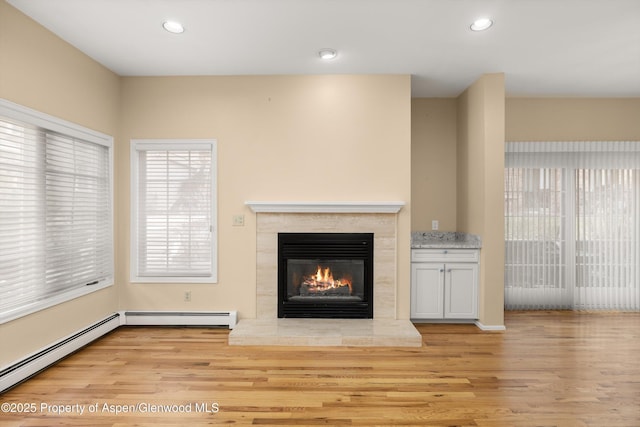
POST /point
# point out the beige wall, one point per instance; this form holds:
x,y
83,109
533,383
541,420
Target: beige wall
x,y
280,138
572,119
309,138
480,189
40,71
433,163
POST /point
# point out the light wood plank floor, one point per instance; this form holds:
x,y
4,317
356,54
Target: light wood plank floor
x,y
547,369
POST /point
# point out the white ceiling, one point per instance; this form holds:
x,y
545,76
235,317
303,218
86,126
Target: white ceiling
x,y
544,47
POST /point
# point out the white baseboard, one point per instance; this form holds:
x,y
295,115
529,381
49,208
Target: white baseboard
x,y
490,327
179,318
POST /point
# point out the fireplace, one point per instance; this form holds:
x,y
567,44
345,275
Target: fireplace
x,y
325,275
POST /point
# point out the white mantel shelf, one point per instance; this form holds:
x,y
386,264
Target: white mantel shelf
x,y
325,207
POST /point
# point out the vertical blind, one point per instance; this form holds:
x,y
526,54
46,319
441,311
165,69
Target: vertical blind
x,y
55,217
174,209
572,225
535,236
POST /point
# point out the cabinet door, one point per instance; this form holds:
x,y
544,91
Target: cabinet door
x,y
427,287
461,291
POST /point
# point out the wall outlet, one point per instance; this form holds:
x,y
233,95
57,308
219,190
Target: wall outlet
x,y
187,296
238,220
435,224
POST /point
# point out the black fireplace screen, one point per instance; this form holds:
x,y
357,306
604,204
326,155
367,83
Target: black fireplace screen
x,y
325,275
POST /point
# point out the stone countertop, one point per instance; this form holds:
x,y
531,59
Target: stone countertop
x,y
444,239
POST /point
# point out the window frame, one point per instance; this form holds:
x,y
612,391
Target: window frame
x,y
48,122
169,144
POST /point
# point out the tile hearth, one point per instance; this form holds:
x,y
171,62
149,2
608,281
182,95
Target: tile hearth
x,y
326,332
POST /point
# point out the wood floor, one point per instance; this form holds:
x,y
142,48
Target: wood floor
x,y
547,369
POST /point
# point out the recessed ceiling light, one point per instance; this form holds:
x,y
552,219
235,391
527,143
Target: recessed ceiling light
x,y
173,27
327,54
481,24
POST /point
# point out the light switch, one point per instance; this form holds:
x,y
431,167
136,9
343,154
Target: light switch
x,y
435,224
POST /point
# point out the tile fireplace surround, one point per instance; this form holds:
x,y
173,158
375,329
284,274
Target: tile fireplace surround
x,y
355,217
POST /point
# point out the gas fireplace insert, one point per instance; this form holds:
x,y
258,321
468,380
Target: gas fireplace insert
x,y
325,275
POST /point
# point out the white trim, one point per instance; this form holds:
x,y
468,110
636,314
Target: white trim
x,y
325,207
46,121
572,146
181,318
162,144
484,327
174,279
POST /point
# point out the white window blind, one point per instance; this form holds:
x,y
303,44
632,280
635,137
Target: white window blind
x,y
535,238
55,211
572,225
173,204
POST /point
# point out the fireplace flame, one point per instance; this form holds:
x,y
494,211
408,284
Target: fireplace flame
x,y
324,275
322,281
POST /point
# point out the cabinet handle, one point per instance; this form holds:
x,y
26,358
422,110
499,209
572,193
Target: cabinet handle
x,y
442,270
445,252
449,271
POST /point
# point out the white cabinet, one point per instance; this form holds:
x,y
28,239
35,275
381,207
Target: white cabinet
x,y
444,283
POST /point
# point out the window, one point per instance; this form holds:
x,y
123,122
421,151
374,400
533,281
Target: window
x,y
56,238
572,225
173,211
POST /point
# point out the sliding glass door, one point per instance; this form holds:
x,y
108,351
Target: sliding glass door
x,y
606,242
572,234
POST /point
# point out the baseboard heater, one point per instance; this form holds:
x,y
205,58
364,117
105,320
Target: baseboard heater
x,y
40,360
177,318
